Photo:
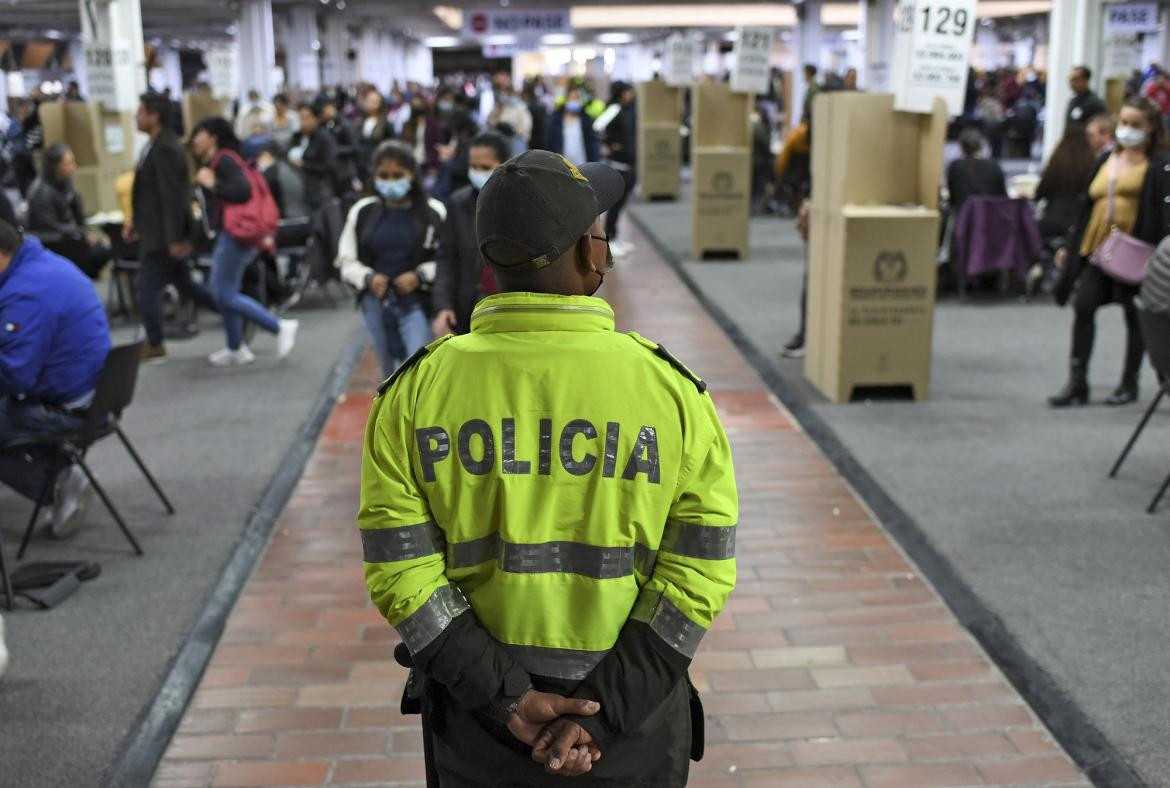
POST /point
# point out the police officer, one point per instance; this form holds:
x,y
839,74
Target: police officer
x,y
548,512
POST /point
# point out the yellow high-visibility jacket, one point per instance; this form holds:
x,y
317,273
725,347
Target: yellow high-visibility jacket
x,y
554,477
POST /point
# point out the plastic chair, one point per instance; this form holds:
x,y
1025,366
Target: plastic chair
x,y
115,391
1156,332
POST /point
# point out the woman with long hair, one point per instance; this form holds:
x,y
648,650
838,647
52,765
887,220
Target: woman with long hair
x,y
1064,181
375,128
1129,192
221,176
388,235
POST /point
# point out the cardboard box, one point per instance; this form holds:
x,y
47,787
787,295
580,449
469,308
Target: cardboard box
x,y
721,171
872,277
101,141
865,153
197,106
659,160
721,188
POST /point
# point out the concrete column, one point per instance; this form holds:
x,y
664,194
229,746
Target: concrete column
x,y
877,38
257,39
117,24
809,37
1074,39
335,44
169,73
304,44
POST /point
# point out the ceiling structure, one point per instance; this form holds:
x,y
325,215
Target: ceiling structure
x,y
180,22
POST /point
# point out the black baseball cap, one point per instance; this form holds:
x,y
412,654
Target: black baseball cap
x,y
537,205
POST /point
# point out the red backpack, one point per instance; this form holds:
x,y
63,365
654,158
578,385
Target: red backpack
x,y
252,222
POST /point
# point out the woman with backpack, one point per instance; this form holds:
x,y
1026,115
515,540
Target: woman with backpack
x,y
228,185
386,254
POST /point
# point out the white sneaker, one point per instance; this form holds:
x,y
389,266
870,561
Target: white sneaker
x,y
286,337
620,248
3,651
226,357
70,503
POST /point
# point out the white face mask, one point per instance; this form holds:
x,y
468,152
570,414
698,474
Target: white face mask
x,y
1129,137
478,179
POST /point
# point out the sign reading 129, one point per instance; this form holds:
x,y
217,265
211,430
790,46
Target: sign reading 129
x,y
941,20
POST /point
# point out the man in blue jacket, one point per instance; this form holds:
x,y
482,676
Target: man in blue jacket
x,y
53,344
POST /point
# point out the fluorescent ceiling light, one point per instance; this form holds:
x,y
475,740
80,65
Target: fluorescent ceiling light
x,y
440,42
501,40
450,16
614,38
556,39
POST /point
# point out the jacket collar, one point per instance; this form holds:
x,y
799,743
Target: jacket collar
x,y
30,248
505,312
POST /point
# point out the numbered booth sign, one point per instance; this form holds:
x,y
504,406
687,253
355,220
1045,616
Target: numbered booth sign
x,y
932,48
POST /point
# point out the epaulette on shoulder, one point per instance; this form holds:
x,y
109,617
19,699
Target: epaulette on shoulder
x,y
666,356
418,356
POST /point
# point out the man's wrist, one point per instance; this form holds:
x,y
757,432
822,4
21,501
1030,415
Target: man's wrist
x,y
503,706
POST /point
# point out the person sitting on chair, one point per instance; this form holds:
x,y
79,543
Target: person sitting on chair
x,y
57,217
54,339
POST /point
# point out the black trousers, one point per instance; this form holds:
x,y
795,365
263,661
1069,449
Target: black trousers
x,y
630,176
158,269
1096,289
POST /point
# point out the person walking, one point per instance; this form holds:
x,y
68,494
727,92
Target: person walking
x,y
315,152
1129,192
621,146
54,339
56,214
374,130
462,277
162,223
548,512
570,131
223,180
387,236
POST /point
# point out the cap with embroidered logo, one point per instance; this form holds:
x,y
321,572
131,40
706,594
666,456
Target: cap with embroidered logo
x,y
538,204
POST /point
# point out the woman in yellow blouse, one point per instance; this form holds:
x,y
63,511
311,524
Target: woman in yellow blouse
x,y
1139,170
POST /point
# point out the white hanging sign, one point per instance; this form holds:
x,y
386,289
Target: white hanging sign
x,y
223,68
526,22
753,60
932,48
109,71
1131,17
679,67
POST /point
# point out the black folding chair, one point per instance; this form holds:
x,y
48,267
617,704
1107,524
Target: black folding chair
x,y
115,391
1156,333
9,599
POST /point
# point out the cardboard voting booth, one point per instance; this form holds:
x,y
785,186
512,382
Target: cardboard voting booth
x,y
873,237
197,106
660,109
101,141
721,171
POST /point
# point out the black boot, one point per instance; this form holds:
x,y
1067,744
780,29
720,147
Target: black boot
x,y
1125,393
1076,391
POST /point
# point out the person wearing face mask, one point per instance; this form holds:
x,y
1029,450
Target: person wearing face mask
x,y
462,277
548,512
570,131
389,238
315,153
374,130
345,140
425,132
1129,191
512,113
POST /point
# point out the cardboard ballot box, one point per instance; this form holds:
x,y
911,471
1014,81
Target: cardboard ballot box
x,y
873,238
101,141
660,109
721,170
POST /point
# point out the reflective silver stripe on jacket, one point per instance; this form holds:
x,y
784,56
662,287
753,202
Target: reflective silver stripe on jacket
x,y
669,623
436,614
712,542
602,563
557,663
404,543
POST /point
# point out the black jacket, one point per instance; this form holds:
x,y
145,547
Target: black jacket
x,y
162,194
458,261
1152,225
231,186
321,168
346,138
366,145
1082,108
54,209
971,177
621,136
555,141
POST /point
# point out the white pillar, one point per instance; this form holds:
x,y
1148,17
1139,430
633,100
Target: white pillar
x,y
77,53
169,73
257,48
1074,39
335,44
117,24
304,44
809,37
877,37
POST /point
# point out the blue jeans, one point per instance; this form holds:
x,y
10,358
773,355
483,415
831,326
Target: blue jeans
x,y
414,331
25,470
228,262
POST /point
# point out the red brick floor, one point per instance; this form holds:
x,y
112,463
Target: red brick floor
x,y
834,663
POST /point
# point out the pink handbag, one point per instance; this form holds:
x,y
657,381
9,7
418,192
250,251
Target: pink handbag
x,y
1121,255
